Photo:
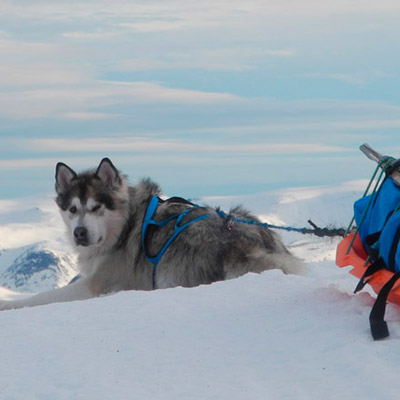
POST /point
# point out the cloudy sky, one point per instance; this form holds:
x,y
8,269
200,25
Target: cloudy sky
x,y
208,97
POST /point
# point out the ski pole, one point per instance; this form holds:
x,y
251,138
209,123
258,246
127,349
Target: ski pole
x,y
386,162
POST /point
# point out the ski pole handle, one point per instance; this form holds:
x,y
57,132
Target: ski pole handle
x,y
378,158
371,153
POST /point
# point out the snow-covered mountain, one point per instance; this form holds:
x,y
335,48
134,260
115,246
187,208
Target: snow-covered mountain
x,y
38,268
34,255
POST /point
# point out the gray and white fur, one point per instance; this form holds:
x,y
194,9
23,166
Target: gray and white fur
x,y
104,217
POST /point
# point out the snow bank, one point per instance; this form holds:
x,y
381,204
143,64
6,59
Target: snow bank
x,y
257,337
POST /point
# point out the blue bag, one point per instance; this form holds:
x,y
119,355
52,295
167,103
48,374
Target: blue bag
x,y
378,221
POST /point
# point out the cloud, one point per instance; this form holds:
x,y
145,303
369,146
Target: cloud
x,y
7,205
23,163
357,78
348,126
142,16
88,116
79,102
43,80
155,144
235,58
120,144
354,79
34,64
38,74
16,48
95,35
183,10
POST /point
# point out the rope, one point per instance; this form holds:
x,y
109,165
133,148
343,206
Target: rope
x,y
316,230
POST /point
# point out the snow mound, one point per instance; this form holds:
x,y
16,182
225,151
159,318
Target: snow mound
x,y
267,336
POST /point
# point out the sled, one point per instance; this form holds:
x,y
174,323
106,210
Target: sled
x,y
371,246
350,252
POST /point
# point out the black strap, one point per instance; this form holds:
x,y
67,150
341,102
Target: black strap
x,y
179,200
393,250
372,239
374,267
379,328
370,242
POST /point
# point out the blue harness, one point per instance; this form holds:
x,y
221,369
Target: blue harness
x,y
178,228
148,221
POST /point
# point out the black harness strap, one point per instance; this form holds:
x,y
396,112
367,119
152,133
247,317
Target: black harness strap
x,y
369,244
379,328
393,250
374,267
175,199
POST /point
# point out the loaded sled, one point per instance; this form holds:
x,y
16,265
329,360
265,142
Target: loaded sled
x,y
371,244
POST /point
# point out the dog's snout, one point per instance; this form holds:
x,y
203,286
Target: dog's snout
x,y
81,235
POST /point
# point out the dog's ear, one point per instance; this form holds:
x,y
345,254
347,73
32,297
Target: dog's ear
x,y
64,176
108,174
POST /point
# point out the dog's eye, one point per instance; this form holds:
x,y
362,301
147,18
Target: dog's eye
x,y
95,208
73,210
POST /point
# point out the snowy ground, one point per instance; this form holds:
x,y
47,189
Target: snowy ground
x,y
267,336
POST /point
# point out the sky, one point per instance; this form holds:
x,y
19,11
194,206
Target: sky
x,y
208,98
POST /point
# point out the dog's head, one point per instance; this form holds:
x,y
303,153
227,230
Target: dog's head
x,y
93,204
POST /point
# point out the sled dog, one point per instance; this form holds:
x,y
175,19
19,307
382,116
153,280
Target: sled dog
x,y
127,238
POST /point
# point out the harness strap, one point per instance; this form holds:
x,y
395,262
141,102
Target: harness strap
x,y
177,199
379,328
178,228
374,267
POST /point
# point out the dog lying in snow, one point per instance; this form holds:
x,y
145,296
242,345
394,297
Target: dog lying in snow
x,y
127,238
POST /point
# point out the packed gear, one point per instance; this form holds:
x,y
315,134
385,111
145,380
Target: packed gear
x,y
371,246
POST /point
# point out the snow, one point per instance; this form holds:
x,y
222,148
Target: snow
x,y
268,336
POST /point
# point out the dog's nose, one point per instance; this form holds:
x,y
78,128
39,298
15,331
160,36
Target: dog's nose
x,y
81,235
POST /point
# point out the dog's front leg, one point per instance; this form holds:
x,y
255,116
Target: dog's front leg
x,y
78,290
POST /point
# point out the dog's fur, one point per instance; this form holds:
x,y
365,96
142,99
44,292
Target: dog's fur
x,y
104,217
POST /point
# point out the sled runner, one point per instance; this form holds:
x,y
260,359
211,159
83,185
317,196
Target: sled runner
x,y
372,246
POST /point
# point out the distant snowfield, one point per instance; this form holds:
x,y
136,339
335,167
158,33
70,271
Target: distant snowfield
x,y
268,336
